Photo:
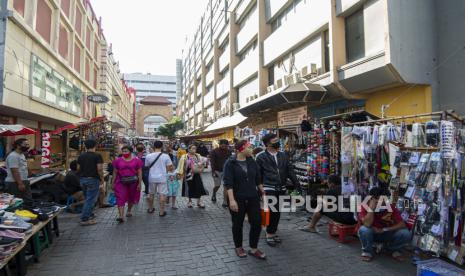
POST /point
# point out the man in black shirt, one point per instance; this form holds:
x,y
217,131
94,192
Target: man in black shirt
x,y
218,157
339,217
91,177
72,186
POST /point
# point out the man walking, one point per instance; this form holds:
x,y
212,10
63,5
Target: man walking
x,y
218,157
275,169
16,181
158,164
91,179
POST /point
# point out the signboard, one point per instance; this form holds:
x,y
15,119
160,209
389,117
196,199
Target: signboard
x,y
97,98
45,162
51,88
292,116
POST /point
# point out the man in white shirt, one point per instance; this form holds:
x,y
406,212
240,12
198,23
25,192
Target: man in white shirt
x,y
159,164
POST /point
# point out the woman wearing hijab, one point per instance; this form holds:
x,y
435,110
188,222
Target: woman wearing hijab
x,y
190,168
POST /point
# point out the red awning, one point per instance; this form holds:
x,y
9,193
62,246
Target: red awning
x,y
13,130
73,126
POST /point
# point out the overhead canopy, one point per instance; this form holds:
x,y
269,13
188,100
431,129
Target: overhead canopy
x,y
227,122
13,130
291,94
201,136
73,126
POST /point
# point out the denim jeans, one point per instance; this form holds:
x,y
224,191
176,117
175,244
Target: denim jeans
x,y
90,188
395,240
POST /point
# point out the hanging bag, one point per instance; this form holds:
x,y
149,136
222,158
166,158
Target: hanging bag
x,y
129,180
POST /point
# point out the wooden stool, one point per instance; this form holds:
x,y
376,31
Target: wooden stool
x,y
342,231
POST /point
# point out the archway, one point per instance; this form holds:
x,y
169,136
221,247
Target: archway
x,y
152,106
152,123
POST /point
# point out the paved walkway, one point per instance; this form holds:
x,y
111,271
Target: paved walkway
x,y
197,242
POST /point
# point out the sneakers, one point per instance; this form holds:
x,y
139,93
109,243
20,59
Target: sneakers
x,y
88,222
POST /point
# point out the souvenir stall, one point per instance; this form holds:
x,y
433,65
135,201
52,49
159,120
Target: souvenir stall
x,y
420,161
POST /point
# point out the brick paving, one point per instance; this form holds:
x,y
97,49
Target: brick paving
x,y
198,242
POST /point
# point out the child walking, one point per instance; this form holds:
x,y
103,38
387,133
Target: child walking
x,y
173,187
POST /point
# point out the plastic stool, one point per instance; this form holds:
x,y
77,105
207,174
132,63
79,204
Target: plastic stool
x,y
342,231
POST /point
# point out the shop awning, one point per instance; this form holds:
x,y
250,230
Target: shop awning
x,y
295,93
201,136
227,122
73,126
13,130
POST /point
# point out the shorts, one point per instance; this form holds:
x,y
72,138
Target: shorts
x,y
159,188
218,180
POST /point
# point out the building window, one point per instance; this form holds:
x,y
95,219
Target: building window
x,y
355,37
18,5
326,64
63,42
78,21
96,48
65,6
95,76
88,32
77,58
44,20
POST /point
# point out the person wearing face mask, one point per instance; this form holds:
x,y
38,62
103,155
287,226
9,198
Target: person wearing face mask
x,y
127,171
242,182
275,169
142,154
16,181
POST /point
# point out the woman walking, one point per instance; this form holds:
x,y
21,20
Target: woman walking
x,y
242,181
127,172
190,168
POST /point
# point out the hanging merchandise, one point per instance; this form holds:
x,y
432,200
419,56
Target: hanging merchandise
x,y
447,139
418,135
432,134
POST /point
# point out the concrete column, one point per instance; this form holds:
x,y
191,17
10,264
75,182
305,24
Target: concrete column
x,y
264,30
337,42
216,72
233,60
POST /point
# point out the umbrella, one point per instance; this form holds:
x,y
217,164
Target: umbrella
x,y
13,130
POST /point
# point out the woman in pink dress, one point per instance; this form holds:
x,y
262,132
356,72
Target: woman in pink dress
x,y
127,172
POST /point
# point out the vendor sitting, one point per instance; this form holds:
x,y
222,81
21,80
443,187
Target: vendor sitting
x,y
337,216
380,225
72,186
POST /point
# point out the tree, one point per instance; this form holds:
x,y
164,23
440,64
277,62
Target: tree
x,y
169,129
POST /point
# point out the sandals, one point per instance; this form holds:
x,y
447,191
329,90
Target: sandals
x,y
120,220
128,215
189,205
366,257
240,252
396,255
150,210
271,242
309,230
201,206
162,215
277,239
257,254
174,207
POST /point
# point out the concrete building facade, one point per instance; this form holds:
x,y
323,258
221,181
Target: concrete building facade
x,y
387,57
148,85
51,60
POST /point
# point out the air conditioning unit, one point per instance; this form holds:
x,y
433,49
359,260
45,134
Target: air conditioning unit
x,y
278,84
236,106
270,89
310,71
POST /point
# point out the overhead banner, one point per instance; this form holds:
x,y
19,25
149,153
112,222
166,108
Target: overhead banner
x,y
292,116
45,162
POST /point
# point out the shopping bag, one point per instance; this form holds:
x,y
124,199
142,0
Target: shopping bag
x,y
265,216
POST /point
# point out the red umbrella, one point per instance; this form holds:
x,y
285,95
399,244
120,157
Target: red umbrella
x,y
13,130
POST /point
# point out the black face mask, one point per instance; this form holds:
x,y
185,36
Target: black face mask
x,y
24,149
276,145
140,149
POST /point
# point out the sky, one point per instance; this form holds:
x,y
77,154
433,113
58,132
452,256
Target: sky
x,y
148,35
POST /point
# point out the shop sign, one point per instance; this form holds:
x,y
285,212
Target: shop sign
x,y
292,116
97,98
45,162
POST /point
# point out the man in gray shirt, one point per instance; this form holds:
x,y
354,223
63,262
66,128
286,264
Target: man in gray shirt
x,y
16,181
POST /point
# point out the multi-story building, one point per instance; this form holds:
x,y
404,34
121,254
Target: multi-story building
x,y
147,85
51,60
256,57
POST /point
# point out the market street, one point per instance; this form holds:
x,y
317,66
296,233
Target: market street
x,y
198,242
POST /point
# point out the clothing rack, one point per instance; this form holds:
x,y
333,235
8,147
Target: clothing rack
x,y
443,115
